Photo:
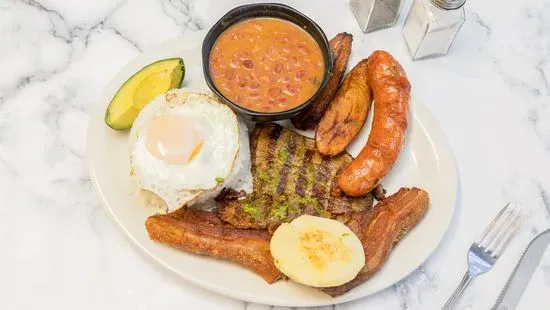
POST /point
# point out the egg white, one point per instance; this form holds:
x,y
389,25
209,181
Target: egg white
x,y
224,155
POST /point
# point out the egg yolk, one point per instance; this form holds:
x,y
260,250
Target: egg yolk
x,y
171,138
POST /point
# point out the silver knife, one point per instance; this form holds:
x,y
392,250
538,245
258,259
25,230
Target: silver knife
x,y
514,288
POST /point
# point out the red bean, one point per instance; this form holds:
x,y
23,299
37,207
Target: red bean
x,y
274,91
254,95
300,74
278,68
254,85
249,64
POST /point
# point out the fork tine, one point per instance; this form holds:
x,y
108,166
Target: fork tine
x,y
503,229
492,225
501,247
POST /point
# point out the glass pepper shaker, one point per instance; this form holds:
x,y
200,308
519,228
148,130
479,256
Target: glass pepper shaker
x,y
431,27
375,14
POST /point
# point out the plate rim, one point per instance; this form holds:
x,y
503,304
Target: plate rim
x,y
443,142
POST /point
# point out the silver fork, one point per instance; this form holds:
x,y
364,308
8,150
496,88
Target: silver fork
x,y
485,253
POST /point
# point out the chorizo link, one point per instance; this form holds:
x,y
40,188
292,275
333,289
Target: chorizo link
x,y
391,90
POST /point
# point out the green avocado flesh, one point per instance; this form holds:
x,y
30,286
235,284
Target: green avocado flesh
x,y
149,82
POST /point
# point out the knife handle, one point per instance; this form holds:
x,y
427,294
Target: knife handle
x,y
464,283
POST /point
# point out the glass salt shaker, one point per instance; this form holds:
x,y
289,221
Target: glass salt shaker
x,y
431,27
376,14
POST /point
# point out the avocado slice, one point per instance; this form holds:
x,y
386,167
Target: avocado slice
x,y
142,87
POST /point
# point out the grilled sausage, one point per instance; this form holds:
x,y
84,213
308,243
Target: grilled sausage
x,y
346,113
340,46
391,90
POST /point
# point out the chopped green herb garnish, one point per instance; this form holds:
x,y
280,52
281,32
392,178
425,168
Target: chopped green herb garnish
x,y
219,180
269,181
310,174
314,203
262,175
345,234
282,154
251,209
280,211
308,200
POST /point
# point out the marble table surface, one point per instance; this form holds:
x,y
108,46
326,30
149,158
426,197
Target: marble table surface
x,y
60,250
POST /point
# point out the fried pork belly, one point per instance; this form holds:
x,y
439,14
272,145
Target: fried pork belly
x,y
202,232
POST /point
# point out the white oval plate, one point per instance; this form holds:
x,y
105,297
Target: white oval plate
x,y
426,161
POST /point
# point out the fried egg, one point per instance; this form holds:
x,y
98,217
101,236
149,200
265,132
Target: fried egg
x,y
185,147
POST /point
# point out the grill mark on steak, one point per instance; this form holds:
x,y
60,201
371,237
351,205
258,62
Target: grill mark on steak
x,y
296,166
302,181
253,146
268,137
321,178
274,134
286,163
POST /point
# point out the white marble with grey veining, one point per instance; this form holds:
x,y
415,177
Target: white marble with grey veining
x,y
59,250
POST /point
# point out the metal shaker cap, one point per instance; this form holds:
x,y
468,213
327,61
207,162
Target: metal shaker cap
x,y
448,4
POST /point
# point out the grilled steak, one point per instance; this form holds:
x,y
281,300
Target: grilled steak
x,y
290,179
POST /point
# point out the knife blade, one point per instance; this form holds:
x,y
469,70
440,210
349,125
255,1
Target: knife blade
x,y
528,263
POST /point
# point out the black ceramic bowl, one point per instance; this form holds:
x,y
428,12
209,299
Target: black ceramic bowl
x,y
275,10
